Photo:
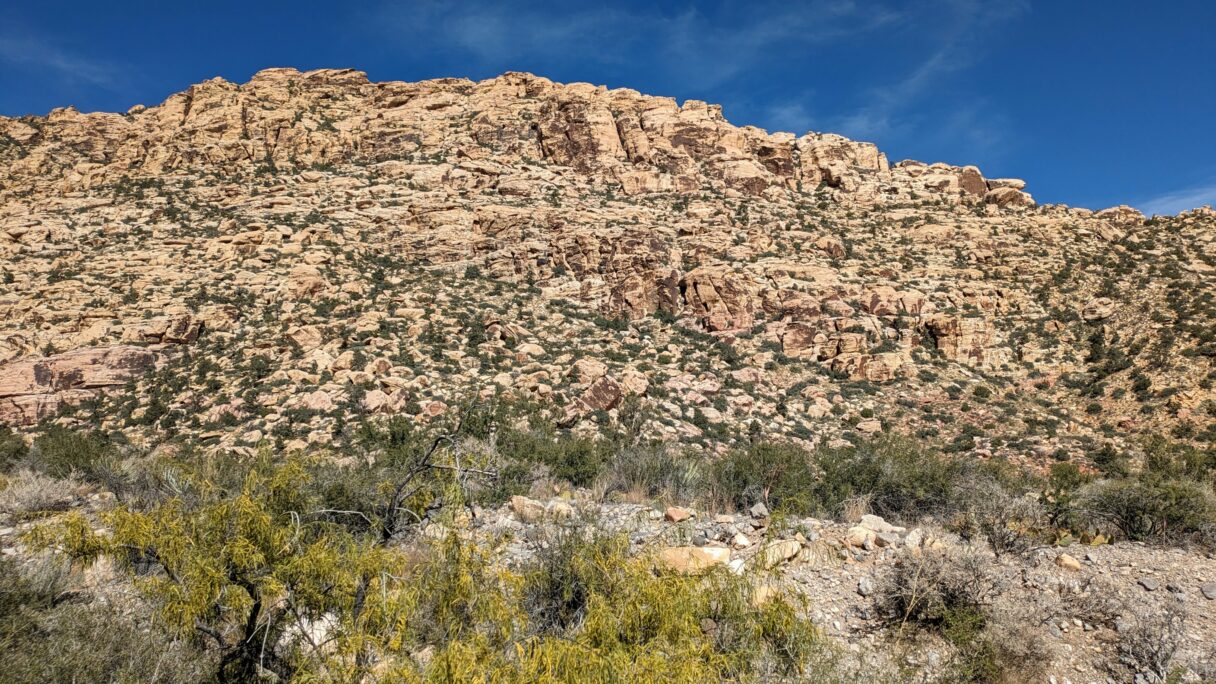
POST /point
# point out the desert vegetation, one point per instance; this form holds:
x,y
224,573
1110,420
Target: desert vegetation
x,y
339,567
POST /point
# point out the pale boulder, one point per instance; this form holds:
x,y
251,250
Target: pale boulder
x,y
691,560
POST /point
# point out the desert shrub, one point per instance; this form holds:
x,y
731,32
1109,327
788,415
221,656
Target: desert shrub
x,y
612,618
654,472
895,476
1149,508
29,492
783,476
12,448
1009,522
456,601
936,589
570,567
49,634
59,452
577,460
1174,460
234,567
901,479
1012,647
1148,645
951,595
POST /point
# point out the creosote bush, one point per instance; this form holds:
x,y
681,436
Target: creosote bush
x,y
783,476
12,448
1170,499
902,479
898,477
1150,509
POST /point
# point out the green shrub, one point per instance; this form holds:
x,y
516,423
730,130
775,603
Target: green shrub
x,y
1110,461
901,479
783,476
577,460
569,569
59,452
1150,509
598,615
1180,461
12,448
655,472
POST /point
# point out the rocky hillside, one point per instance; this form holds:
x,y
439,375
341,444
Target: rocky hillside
x,y
273,258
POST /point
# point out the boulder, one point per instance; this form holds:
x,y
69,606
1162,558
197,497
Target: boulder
x,y
1098,309
603,395
675,514
776,553
527,510
1067,562
691,560
859,536
719,297
1008,197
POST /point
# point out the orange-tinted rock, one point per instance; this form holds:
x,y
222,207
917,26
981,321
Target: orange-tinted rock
x,y
720,298
33,388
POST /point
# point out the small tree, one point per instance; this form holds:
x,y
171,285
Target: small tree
x,y
240,572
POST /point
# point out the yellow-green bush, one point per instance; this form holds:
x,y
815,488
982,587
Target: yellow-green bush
x,y
254,576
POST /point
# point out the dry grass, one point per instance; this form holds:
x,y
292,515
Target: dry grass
x,y
855,507
29,492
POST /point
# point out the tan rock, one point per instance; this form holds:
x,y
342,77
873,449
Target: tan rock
x,y
692,560
527,510
317,401
777,552
589,370
1067,562
1098,309
675,514
720,298
34,388
859,536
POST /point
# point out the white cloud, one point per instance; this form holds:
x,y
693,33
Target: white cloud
x,y
40,55
1180,200
698,49
958,37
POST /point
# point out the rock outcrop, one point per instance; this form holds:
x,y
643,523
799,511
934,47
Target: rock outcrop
x,y
32,389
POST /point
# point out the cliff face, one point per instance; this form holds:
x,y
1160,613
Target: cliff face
x,y
310,247
285,118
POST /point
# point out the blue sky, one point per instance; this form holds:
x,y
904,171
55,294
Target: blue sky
x,y
1093,103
